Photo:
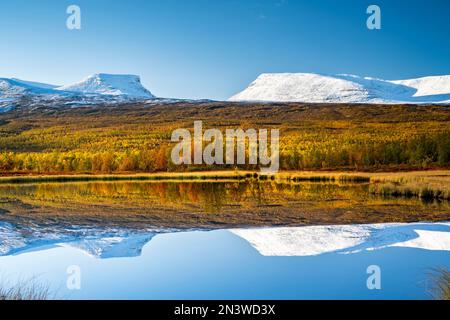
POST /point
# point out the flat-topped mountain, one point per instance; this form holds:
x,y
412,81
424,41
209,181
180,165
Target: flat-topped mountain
x,y
110,84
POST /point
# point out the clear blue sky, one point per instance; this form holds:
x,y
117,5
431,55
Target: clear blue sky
x,y
214,48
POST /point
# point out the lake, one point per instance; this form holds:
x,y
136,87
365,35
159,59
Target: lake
x,y
220,240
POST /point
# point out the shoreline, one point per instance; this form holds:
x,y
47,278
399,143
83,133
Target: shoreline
x,y
226,174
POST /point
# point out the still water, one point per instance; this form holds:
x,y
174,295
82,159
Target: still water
x,y
205,241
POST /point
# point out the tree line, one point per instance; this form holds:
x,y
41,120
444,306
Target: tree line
x,y
422,151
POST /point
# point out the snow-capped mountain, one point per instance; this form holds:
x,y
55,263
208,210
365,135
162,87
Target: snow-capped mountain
x,y
110,84
96,89
317,88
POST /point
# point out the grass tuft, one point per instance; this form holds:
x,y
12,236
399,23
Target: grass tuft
x,y
440,284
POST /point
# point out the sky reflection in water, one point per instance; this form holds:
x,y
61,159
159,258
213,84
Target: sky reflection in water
x,y
270,263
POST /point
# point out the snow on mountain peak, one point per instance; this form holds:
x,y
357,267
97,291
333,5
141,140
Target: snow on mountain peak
x,y
110,84
343,88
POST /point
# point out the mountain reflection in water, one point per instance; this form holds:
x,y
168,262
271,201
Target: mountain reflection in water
x,y
278,241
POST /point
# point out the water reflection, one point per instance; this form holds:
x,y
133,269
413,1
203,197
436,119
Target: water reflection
x,y
219,264
219,204
211,196
142,240
345,239
106,243
100,243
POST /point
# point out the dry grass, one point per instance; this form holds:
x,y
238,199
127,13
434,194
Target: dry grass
x,y
440,284
163,176
25,290
427,185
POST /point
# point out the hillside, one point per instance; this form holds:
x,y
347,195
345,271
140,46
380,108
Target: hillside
x,y
135,137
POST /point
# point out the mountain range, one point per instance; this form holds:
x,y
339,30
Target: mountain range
x,y
102,88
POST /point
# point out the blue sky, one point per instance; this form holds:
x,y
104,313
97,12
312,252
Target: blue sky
x,y
215,48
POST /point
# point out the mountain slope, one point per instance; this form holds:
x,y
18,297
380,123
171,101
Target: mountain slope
x,y
428,86
14,87
35,84
316,88
110,84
